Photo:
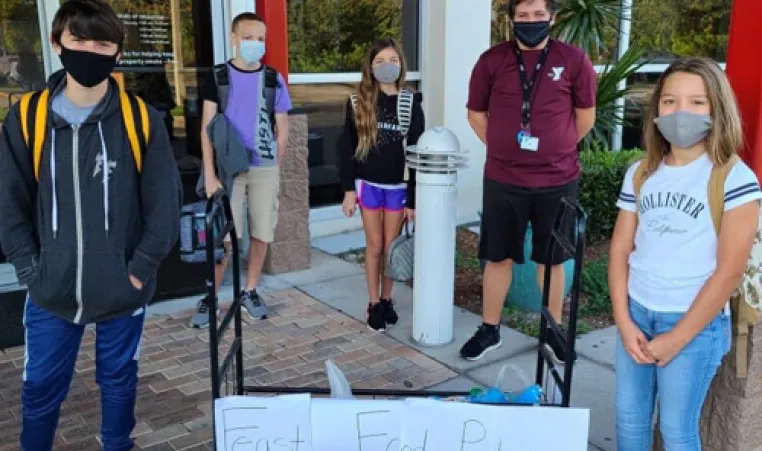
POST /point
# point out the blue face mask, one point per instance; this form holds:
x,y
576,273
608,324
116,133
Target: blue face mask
x,y
251,51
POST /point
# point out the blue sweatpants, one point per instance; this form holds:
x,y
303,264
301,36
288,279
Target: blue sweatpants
x,y
52,345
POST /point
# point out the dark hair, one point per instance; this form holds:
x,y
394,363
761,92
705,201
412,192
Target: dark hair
x,y
549,4
246,16
90,20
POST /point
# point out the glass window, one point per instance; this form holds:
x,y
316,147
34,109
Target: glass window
x,y
678,29
21,65
324,105
667,29
333,35
167,54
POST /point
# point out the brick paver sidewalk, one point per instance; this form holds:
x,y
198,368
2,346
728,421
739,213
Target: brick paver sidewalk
x,y
174,401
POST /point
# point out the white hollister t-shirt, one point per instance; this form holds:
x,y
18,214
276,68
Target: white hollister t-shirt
x,y
675,242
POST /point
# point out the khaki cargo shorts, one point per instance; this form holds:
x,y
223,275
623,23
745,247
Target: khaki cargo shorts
x,y
256,191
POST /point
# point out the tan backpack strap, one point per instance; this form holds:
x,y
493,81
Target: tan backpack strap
x,y
716,193
741,332
638,178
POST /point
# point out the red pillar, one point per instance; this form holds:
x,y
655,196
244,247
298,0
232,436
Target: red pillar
x,y
745,74
275,14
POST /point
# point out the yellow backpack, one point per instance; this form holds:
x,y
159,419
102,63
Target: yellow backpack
x,y
746,300
34,111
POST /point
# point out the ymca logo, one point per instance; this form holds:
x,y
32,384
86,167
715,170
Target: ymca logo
x,y
556,73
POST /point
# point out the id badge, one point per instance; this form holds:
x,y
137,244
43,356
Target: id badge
x,y
528,142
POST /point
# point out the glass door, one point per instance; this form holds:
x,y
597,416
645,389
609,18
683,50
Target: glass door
x,y
170,48
21,70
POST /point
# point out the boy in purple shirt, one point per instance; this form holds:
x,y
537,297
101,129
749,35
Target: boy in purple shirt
x,y
264,133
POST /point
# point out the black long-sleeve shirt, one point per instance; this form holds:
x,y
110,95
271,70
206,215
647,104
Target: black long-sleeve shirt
x,y
385,163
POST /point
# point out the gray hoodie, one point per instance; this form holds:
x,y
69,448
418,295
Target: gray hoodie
x,y
77,234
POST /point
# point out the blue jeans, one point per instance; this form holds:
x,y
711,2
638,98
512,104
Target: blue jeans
x,y
681,385
52,345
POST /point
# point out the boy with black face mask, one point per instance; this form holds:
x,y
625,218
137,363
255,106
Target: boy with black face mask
x,y
530,101
89,208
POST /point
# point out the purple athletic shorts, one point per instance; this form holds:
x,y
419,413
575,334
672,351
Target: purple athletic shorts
x,y
372,197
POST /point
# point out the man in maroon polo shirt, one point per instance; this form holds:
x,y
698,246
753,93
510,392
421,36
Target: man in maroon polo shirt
x,y
531,100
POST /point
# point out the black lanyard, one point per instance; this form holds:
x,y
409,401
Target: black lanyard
x,y
527,87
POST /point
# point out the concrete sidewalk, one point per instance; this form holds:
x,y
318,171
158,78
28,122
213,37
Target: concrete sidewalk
x,y
341,285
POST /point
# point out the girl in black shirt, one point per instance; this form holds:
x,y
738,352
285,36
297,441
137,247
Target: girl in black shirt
x,y
382,118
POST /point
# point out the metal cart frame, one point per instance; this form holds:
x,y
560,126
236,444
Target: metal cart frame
x,y
219,206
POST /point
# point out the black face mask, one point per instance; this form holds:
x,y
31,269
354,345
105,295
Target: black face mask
x,y
531,34
87,68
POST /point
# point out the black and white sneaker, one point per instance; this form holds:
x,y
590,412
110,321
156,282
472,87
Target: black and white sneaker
x,y
390,316
200,318
376,319
254,305
556,349
485,339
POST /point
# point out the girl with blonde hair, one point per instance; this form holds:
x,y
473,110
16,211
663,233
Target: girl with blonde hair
x,y
382,117
673,268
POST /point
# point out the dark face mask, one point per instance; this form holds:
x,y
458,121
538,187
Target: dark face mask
x,y
531,34
87,68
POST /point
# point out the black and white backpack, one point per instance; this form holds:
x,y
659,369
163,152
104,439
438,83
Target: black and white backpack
x,y
404,109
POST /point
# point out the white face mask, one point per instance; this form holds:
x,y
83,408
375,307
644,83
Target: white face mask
x,y
683,129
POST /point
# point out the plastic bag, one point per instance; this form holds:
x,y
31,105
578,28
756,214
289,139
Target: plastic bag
x,y
531,395
340,388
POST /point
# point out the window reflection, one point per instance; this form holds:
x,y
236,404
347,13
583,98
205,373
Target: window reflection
x,y
668,29
21,65
332,36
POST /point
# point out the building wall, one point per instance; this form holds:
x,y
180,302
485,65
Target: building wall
x,y
449,52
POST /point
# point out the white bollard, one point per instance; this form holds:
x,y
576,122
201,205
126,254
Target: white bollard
x,y
436,159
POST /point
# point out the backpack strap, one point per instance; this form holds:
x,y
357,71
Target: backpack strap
x,y
716,191
742,315
31,116
222,81
33,112
137,127
639,178
353,100
404,110
271,88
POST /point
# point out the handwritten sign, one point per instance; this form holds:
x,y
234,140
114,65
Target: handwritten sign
x,y
356,425
442,426
542,428
247,423
299,423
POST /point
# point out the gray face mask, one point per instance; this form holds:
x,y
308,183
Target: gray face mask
x,y
387,72
683,129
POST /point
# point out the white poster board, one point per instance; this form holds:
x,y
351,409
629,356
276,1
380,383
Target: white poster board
x,y
299,423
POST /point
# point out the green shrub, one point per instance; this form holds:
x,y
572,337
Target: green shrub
x,y
599,185
595,285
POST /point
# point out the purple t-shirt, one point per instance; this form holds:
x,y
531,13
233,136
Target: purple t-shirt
x,y
243,101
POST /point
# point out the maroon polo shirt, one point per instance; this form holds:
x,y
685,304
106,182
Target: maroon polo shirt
x,y
568,81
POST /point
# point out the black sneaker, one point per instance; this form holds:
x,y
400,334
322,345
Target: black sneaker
x,y
390,316
484,340
556,349
376,319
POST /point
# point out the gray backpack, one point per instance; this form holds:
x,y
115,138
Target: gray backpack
x,y
400,259
193,239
